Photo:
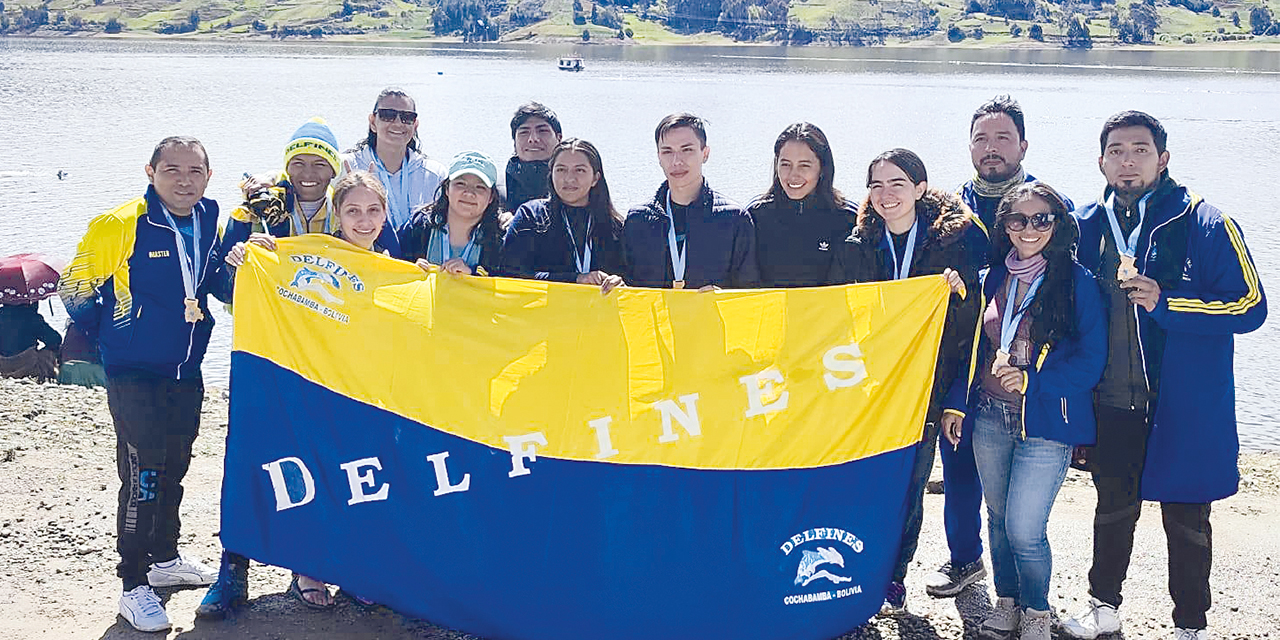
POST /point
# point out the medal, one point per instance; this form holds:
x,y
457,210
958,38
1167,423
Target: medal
x,y
1126,247
678,250
192,312
1002,360
1128,268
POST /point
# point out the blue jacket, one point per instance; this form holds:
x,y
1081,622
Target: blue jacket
x,y
537,246
1057,397
721,244
1210,291
124,286
985,208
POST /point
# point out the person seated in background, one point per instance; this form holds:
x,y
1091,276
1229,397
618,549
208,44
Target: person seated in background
x,y
461,232
21,327
576,234
535,131
78,361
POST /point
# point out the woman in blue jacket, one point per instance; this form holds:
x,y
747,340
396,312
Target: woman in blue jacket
x,y
575,235
1041,351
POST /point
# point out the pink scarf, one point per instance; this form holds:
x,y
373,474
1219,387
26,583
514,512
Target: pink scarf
x,y
1025,270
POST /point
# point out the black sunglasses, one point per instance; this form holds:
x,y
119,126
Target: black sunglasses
x,y
387,115
1039,222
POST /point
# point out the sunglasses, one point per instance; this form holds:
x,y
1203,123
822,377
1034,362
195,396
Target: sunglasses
x,y
387,115
1039,222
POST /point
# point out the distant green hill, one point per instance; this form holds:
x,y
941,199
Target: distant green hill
x,y
856,22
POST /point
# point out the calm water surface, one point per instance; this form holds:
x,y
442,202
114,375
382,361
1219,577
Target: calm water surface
x,y
95,109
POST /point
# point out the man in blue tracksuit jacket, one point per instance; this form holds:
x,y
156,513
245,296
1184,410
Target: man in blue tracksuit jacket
x,y
1179,283
140,282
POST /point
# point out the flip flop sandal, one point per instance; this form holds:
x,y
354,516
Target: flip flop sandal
x,y
301,594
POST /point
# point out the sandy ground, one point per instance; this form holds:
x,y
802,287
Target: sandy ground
x,y
57,557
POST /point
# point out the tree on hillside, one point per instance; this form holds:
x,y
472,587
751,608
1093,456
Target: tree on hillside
x,y
1259,19
1078,33
1011,9
693,15
1235,19
1036,32
113,26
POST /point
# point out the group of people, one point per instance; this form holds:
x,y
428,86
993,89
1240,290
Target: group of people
x,y
1100,335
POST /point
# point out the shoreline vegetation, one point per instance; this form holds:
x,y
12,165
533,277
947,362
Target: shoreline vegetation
x,y
1236,25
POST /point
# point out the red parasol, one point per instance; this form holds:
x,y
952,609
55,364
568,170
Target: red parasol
x,y
28,277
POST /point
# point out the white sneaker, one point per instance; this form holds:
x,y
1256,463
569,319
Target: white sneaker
x,y
1094,621
1191,634
1002,621
1035,625
181,571
143,610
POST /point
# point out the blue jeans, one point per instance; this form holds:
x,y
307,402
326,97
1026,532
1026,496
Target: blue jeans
x,y
1018,520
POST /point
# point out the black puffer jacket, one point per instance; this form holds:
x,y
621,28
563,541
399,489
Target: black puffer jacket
x,y
952,241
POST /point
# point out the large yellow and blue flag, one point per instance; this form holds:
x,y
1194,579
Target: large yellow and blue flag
x,y
532,460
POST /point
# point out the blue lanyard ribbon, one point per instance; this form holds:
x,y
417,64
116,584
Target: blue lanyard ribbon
x,y
187,262
402,210
900,271
1013,315
678,253
1126,246
580,260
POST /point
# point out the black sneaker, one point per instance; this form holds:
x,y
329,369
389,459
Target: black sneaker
x,y
947,581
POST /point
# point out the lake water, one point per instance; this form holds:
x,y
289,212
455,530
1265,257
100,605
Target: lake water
x,y
95,109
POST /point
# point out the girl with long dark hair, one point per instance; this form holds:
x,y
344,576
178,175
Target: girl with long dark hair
x,y
802,218
1042,350
461,232
574,235
906,229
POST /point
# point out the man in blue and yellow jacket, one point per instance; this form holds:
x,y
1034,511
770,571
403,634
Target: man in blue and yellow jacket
x,y
1179,283
140,282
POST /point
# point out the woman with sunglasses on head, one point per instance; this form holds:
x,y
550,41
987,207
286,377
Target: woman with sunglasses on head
x,y
392,153
1042,350
906,229
574,235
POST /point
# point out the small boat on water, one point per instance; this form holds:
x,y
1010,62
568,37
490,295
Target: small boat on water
x,y
571,64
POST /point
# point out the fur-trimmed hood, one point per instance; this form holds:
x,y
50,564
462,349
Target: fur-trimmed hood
x,y
947,217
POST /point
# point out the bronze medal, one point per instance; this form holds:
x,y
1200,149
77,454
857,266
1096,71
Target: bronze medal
x,y
192,312
1002,360
1128,268
678,284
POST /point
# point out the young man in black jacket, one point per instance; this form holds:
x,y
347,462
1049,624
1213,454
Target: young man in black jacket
x,y
688,236
535,131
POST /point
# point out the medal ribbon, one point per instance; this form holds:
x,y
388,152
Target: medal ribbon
x,y
1013,316
402,210
186,261
581,261
1129,246
678,255
900,271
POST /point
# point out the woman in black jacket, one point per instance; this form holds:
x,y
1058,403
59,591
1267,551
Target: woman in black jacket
x,y
802,219
575,234
905,229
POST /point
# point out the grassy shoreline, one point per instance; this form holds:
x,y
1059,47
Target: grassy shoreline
x,y
696,40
